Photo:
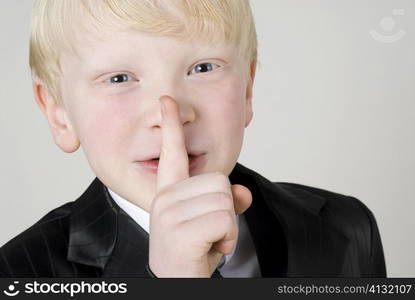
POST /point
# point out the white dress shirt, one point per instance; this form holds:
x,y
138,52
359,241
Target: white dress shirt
x,y
242,262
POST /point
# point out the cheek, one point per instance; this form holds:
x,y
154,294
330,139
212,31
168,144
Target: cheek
x,y
226,108
104,130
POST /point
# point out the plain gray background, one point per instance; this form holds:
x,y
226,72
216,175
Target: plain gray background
x,y
333,108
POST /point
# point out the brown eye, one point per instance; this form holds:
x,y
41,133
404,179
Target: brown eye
x,y
203,68
120,78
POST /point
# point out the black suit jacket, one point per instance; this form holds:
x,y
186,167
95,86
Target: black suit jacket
x,y
298,231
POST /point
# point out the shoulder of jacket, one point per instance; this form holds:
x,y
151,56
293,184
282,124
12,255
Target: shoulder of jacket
x,y
52,227
329,196
337,205
351,218
54,221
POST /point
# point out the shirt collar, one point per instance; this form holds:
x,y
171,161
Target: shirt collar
x,y
139,215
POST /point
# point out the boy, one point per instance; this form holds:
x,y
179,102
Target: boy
x,y
158,94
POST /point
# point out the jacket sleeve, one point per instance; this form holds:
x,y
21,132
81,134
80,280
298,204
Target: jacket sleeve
x,y
3,267
376,266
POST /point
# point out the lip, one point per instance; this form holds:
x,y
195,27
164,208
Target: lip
x,y
157,154
195,162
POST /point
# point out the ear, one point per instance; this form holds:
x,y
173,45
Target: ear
x,y
62,131
249,92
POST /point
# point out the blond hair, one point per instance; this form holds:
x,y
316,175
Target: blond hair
x,y
54,24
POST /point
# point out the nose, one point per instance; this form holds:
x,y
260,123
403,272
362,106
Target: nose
x,y
186,111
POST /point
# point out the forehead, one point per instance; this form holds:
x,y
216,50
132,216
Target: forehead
x,y
92,47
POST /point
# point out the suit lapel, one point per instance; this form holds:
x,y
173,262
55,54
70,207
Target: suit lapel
x,y
93,227
266,232
102,235
130,255
314,248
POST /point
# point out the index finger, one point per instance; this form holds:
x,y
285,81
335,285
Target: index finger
x,y
174,162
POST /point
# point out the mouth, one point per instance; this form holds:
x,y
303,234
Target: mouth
x,y
195,162
190,156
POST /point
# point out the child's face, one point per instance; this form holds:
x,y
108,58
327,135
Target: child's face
x,y
110,95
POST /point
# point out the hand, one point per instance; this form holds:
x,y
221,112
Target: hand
x,y
192,219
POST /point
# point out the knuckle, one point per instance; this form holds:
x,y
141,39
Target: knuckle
x,y
221,179
226,199
228,250
226,218
155,204
162,197
164,218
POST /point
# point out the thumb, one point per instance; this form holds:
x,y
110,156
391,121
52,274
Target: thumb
x,y
242,198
